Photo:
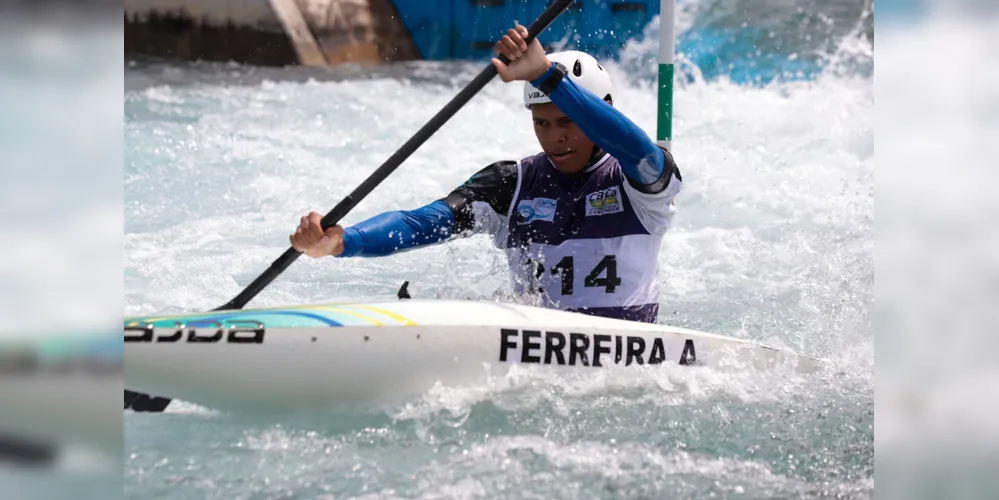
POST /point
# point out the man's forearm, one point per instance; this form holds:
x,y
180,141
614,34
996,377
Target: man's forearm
x,y
399,230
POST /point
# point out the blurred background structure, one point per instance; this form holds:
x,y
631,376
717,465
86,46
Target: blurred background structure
x,y
746,43
281,32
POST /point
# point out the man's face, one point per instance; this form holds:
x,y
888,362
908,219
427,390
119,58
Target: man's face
x,y
561,139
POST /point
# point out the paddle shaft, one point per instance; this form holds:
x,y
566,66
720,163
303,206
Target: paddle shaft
x,y
347,204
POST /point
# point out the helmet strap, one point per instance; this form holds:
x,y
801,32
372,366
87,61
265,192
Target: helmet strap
x,y
597,154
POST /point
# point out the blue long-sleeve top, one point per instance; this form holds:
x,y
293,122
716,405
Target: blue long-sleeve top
x,y
641,161
399,230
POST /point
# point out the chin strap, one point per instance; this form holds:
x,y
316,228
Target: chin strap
x,y
597,154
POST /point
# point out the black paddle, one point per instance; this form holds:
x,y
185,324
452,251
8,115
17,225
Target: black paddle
x,y
143,403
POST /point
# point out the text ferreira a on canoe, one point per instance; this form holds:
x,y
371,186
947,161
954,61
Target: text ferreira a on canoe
x,y
582,349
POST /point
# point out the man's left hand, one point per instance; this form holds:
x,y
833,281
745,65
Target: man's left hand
x,y
527,62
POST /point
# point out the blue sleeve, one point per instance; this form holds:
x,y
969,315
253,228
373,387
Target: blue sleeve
x,y
401,230
641,160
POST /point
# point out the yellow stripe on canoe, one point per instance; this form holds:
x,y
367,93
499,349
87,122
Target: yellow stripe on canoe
x,y
350,313
404,321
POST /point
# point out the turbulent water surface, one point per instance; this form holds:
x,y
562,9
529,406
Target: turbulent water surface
x,y
773,241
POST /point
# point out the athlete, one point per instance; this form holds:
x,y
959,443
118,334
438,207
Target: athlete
x,y
581,222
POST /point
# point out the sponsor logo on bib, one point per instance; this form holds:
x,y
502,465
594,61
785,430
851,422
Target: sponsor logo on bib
x,y
529,211
606,201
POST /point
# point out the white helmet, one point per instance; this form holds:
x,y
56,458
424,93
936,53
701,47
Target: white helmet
x,y
582,69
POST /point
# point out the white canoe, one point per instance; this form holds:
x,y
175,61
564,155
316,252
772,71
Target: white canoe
x,y
304,357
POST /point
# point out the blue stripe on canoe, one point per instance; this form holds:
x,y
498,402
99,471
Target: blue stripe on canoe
x,y
212,319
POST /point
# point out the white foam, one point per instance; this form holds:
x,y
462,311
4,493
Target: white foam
x,y
772,240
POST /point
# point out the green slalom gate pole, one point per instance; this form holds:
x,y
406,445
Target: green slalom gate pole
x,y
664,111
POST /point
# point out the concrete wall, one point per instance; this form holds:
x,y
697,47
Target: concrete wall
x,y
359,30
250,31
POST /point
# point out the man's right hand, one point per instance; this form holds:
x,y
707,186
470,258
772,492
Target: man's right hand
x,y
310,238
